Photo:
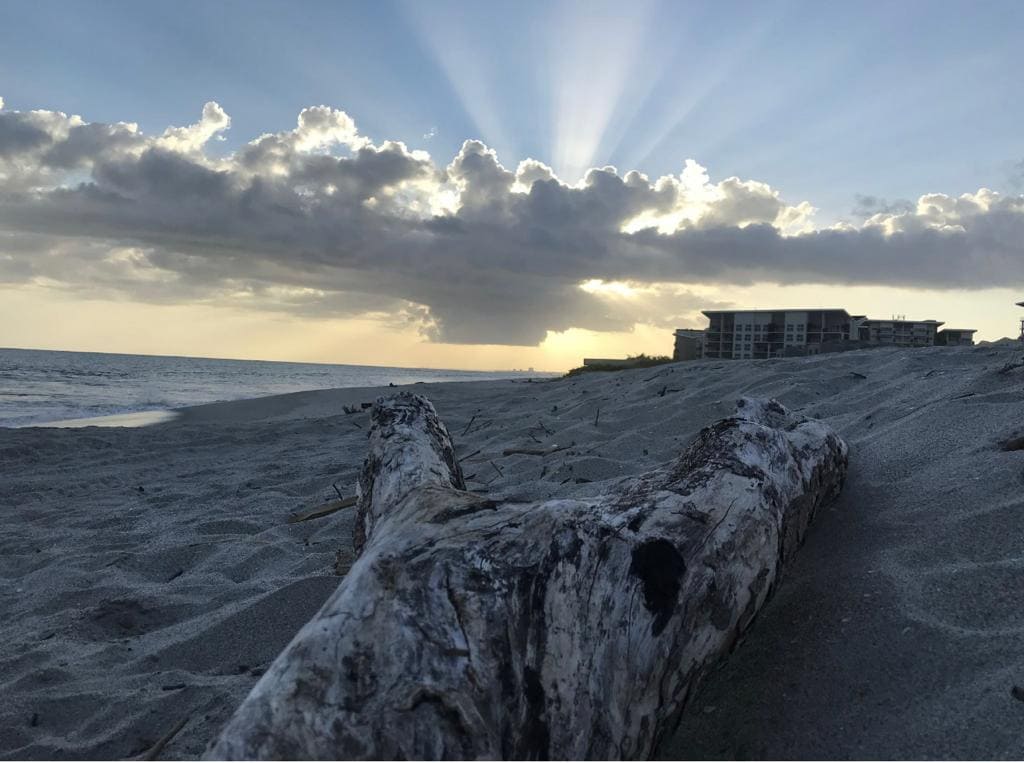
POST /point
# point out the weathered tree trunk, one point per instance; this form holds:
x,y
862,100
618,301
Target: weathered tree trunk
x,y
562,629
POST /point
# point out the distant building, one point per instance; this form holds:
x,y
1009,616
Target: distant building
x,y
954,337
763,334
739,334
897,332
689,344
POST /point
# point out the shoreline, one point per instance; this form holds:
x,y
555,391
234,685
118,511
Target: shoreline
x,y
191,413
161,556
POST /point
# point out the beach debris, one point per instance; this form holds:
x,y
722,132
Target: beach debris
x,y
163,741
552,629
1017,692
1014,443
857,375
466,430
349,409
474,453
597,415
323,510
176,575
536,451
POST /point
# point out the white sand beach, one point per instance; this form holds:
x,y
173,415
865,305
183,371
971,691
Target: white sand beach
x,y
150,574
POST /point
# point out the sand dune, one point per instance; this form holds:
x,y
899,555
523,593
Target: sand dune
x,y
150,574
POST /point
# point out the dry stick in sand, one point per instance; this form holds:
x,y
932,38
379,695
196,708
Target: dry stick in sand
x,y
466,458
597,415
464,431
162,742
323,510
534,451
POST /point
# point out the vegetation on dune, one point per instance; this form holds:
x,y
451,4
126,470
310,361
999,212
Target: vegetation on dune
x,y
634,361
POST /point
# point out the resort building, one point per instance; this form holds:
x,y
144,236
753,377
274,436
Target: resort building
x,y
763,334
689,344
735,334
897,332
955,337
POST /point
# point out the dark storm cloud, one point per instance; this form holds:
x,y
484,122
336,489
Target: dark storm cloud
x,y
319,221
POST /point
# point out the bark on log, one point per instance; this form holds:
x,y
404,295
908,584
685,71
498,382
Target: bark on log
x,y
561,629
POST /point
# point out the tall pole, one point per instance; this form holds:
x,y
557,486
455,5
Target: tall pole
x,y
1021,304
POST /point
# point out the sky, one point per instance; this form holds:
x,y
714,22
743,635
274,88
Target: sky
x,y
499,185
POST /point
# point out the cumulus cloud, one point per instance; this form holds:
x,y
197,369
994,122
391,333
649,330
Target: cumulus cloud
x,y
321,220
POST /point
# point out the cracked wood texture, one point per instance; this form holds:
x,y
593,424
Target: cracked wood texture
x,y
567,628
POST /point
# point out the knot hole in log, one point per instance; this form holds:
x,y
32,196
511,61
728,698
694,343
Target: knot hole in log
x,y
660,567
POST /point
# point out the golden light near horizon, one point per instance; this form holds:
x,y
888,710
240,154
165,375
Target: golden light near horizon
x,y
48,318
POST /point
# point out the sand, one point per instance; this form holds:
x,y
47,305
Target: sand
x,y
150,574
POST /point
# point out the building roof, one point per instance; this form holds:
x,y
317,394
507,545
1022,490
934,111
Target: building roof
x,y
903,320
709,313
962,331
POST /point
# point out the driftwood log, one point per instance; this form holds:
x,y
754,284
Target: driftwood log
x,y
562,629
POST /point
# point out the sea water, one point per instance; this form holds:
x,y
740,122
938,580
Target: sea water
x,y
43,386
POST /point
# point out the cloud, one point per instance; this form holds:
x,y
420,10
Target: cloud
x,y
321,220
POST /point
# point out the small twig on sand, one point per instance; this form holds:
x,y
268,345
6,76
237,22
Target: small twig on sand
x,y
335,486
323,510
546,430
466,458
497,468
466,430
535,451
162,742
597,415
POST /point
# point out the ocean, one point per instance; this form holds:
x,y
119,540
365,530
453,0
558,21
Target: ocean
x,y
43,386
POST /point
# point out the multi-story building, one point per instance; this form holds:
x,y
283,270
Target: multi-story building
x,y
897,332
955,337
736,334
689,344
762,334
